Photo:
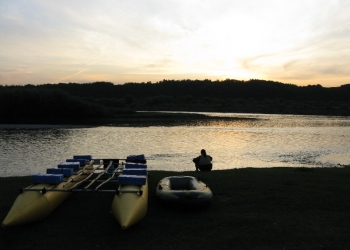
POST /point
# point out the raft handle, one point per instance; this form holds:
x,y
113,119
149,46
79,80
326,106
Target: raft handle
x,y
118,192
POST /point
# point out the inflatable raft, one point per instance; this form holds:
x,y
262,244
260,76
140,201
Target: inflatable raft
x,y
184,189
49,190
130,202
38,200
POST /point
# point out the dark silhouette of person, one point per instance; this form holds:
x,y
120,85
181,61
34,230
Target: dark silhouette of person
x,y
203,162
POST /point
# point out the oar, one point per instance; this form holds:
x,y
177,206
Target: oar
x,y
120,167
88,181
108,180
88,177
80,172
102,173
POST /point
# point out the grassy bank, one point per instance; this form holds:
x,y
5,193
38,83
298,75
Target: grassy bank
x,y
279,208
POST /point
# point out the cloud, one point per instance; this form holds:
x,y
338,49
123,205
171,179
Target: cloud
x,y
117,40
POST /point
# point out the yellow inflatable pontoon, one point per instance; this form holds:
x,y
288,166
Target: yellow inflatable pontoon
x,y
37,201
130,203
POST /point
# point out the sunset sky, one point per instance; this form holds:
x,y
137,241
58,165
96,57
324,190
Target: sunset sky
x,y
300,42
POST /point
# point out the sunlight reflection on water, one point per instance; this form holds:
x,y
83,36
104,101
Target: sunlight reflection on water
x,y
269,141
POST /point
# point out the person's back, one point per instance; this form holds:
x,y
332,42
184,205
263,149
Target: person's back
x,y
203,162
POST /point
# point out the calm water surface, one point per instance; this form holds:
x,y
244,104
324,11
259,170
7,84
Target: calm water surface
x,y
268,141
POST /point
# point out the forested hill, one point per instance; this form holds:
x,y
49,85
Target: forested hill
x,y
71,101
254,89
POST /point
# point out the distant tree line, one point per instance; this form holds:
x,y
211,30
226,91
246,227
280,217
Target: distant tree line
x,y
230,88
104,99
23,104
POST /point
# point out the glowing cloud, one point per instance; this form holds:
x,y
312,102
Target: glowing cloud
x,y
300,42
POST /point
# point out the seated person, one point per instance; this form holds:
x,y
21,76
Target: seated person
x,y
203,162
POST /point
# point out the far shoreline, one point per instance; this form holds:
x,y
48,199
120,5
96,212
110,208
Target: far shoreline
x,y
147,117
139,117
41,126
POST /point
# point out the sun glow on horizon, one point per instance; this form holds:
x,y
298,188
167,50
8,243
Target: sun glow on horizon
x,y
300,42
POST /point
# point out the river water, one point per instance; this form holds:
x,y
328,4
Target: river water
x,y
262,142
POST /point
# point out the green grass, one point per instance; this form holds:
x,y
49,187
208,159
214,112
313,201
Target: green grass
x,y
277,208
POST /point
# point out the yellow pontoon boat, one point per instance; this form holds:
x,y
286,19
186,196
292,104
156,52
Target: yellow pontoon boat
x,y
131,200
37,201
